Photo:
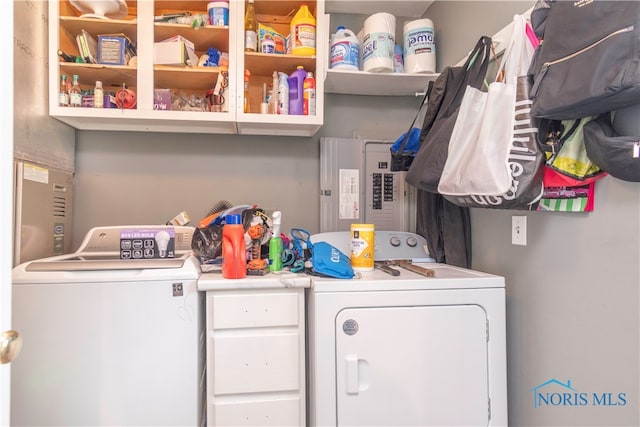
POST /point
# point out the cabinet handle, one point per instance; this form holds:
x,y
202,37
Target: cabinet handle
x,y
353,381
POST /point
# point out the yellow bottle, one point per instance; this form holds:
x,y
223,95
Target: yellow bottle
x,y
303,32
250,28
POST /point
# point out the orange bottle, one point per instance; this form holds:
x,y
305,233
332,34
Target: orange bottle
x,y
234,252
247,74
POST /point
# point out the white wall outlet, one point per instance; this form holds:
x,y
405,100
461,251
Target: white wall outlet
x,y
519,230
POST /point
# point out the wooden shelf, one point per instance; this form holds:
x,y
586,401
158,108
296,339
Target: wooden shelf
x,y
193,78
94,26
203,37
264,64
112,76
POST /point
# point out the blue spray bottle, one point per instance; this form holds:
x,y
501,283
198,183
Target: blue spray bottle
x,y
275,243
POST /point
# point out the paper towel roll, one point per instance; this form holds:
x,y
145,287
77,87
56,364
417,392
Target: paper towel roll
x,y
419,47
378,43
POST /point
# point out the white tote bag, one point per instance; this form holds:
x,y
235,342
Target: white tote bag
x,y
478,156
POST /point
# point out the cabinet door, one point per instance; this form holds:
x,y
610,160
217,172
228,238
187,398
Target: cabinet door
x,y
412,366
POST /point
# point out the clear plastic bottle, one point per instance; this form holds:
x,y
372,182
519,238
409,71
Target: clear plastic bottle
x,y
75,93
98,95
250,28
63,94
309,105
234,252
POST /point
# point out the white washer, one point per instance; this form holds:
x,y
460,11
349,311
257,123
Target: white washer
x,y
110,341
408,350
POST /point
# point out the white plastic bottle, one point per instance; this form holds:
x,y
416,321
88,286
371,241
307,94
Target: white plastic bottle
x,y
345,50
283,93
98,95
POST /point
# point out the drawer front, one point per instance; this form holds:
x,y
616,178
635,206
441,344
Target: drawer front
x,y
255,363
228,311
285,411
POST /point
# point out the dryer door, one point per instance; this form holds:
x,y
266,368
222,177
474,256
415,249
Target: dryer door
x,y
421,365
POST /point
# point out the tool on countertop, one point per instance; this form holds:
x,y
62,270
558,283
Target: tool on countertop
x,y
383,266
408,265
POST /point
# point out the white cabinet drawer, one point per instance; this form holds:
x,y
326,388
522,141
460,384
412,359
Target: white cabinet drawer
x,y
284,411
256,363
249,310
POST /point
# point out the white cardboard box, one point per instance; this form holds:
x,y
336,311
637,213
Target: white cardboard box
x,y
173,53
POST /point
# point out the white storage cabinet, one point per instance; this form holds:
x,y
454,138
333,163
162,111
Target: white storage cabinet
x,y
255,352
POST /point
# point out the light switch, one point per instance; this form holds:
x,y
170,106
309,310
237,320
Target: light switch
x,y
519,230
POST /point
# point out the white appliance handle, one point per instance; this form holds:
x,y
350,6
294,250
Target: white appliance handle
x,y
353,382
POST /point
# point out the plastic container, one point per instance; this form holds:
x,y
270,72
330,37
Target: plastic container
x,y
234,252
398,61
276,246
344,52
303,32
362,247
283,93
218,13
309,106
296,91
98,95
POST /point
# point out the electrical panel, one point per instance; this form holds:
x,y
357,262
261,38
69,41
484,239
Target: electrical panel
x,y
357,186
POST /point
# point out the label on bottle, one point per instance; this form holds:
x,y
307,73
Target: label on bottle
x,y
63,99
75,99
251,40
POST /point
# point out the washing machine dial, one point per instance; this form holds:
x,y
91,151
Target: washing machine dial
x,y
395,241
412,241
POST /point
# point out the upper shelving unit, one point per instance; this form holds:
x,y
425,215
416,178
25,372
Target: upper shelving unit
x,y
351,82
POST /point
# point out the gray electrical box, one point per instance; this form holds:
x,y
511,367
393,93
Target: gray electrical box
x,y
43,200
358,187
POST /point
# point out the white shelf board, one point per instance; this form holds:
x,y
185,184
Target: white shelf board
x,y
381,84
410,8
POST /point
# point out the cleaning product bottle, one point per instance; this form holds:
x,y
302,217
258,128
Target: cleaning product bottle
x,y
296,86
344,52
275,244
309,86
234,252
303,32
283,93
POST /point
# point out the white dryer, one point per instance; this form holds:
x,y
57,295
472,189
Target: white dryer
x,y
408,350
